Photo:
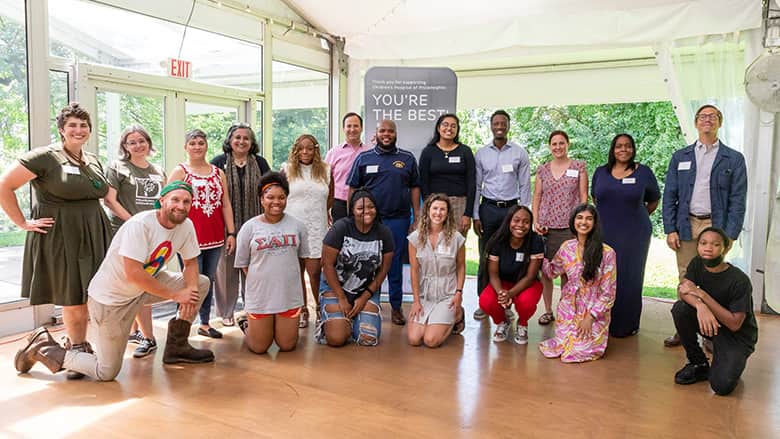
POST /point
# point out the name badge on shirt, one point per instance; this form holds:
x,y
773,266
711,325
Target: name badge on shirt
x,y
684,166
519,257
629,180
70,169
572,173
157,178
455,159
372,169
507,168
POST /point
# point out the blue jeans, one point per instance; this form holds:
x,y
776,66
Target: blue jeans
x,y
366,323
400,228
207,265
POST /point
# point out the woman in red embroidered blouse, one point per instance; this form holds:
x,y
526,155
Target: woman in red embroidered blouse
x,y
211,213
561,185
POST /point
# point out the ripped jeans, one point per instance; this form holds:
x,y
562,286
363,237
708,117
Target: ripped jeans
x,y
366,326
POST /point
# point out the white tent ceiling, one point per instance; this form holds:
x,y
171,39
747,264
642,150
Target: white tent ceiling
x,y
414,29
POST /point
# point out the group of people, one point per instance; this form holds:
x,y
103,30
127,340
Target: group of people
x,y
347,221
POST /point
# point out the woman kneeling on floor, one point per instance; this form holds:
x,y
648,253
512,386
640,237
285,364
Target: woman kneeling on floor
x,y
356,255
582,326
269,252
437,259
514,255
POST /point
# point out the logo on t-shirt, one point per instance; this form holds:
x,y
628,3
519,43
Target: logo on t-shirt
x,y
399,164
276,241
147,191
158,258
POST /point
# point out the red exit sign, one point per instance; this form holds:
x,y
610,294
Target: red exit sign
x,y
179,68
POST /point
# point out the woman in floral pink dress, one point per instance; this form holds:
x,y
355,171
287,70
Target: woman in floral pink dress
x,y
582,325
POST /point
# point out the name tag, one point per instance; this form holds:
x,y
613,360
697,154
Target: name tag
x,y
572,173
507,168
519,257
630,180
73,170
155,177
683,166
372,169
454,159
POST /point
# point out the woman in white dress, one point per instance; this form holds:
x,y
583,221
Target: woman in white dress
x,y
310,199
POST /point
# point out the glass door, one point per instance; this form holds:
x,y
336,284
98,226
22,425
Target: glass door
x,y
214,117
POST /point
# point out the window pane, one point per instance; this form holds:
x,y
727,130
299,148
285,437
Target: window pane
x,y
117,111
214,120
58,99
300,106
85,31
14,136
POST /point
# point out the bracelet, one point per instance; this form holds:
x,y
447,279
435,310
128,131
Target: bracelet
x,y
459,290
231,234
367,288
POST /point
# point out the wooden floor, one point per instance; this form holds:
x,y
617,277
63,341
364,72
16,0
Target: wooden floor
x,y
471,387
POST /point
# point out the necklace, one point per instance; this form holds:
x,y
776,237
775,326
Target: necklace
x,y
79,159
446,151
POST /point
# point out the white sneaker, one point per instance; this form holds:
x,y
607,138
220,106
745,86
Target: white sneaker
x,y
501,332
521,335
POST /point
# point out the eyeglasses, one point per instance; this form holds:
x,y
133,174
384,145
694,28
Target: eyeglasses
x,y
137,142
448,125
708,116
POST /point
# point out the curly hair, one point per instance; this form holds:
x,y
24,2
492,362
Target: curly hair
x,y
504,235
424,227
318,166
227,148
272,179
74,109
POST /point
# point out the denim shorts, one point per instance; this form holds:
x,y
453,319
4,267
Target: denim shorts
x,y
366,323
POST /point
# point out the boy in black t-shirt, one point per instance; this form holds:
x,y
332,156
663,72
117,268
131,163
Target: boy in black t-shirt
x,y
716,302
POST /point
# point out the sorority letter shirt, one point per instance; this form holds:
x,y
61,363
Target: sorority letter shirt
x,y
271,252
141,238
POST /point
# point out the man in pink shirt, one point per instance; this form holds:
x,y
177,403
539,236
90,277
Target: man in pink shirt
x,y
340,160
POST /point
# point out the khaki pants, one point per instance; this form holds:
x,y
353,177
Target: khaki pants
x,y
688,249
111,324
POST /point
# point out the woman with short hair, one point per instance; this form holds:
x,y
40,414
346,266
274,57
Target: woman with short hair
x,y
270,253
356,256
211,214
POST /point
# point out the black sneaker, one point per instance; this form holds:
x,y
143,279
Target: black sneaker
x,y
243,323
146,347
692,373
136,337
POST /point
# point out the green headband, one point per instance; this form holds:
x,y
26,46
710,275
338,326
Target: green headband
x,y
172,186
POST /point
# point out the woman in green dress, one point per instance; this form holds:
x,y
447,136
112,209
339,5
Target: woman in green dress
x,y
68,232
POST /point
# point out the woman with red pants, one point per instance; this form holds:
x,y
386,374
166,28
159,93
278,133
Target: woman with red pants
x,y
514,256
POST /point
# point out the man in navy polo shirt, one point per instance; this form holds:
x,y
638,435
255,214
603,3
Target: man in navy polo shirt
x,y
392,177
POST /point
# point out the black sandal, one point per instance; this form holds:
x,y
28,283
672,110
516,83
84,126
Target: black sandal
x,y
460,325
546,318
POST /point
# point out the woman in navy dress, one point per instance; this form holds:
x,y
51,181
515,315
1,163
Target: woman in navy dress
x,y
626,193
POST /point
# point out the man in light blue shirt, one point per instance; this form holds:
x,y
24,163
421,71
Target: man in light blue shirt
x,y
503,179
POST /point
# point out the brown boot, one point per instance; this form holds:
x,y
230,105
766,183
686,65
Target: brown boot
x,y
40,347
178,349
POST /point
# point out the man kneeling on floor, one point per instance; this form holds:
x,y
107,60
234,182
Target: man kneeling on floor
x,y
717,303
131,275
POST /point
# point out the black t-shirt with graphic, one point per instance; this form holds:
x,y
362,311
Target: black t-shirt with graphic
x,y
360,254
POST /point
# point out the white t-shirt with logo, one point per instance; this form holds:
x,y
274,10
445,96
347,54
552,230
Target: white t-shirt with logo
x,y
271,253
142,239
